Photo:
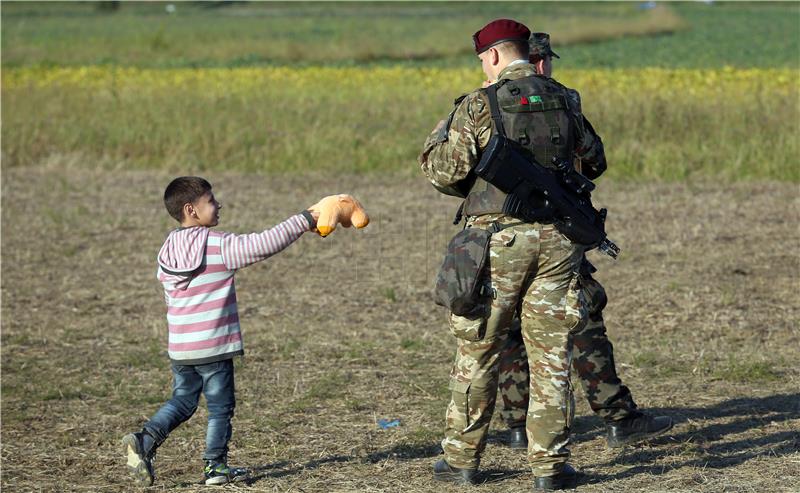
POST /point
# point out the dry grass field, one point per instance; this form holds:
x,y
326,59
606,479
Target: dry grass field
x,y
341,332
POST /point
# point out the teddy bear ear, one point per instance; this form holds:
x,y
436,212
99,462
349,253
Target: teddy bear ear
x,y
359,218
345,208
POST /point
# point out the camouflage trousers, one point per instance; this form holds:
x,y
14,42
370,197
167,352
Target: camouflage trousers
x,y
533,270
592,361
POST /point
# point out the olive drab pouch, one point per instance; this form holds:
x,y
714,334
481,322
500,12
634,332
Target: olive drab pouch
x,y
460,284
536,115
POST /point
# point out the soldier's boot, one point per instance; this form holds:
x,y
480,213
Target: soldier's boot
x,y
636,428
565,480
517,438
442,471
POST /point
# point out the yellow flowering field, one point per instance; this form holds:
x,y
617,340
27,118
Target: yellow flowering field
x,y
693,82
656,123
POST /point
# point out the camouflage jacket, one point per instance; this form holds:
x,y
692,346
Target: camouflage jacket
x,y
449,153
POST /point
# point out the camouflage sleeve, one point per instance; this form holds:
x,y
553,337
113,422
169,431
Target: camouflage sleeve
x,y
588,145
452,151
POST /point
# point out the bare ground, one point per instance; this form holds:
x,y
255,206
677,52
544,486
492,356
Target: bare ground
x,y
342,332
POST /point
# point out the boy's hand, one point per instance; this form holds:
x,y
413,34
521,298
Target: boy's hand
x,y
314,210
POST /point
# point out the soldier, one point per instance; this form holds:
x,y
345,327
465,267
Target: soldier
x,y
592,353
532,267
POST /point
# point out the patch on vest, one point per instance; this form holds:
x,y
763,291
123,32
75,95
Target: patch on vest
x,y
534,103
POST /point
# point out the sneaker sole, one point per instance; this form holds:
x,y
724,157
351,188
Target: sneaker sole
x,y
136,466
639,437
218,480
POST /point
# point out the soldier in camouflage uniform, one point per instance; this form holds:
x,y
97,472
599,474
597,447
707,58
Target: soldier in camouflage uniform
x,y
592,353
533,270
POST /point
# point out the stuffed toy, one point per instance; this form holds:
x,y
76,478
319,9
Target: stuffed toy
x,y
339,209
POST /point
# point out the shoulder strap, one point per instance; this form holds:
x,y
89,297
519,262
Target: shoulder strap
x,y
491,93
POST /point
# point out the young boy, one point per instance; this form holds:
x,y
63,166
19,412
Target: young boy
x,y
196,267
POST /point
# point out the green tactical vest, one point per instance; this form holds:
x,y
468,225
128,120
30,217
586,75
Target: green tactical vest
x,y
536,115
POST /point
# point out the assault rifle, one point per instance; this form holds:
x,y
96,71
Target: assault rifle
x,y
535,193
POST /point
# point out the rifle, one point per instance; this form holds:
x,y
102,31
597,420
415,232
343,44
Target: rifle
x,y
536,192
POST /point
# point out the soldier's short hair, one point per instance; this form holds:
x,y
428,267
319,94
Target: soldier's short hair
x,y
184,190
515,49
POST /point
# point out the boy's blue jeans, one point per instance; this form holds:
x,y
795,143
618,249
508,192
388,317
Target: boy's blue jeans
x,y
215,381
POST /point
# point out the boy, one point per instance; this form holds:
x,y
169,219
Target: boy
x,y
196,268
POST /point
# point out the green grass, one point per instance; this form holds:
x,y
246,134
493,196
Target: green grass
x,y
377,122
326,387
756,35
658,366
412,344
389,294
614,34
378,125
744,370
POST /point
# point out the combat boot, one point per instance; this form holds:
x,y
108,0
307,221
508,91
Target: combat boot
x,y
635,428
442,471
565,480
517,438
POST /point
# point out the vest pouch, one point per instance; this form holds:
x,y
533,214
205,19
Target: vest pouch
x,y
459,283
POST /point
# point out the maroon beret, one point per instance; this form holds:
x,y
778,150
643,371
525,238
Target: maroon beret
x,y
499,31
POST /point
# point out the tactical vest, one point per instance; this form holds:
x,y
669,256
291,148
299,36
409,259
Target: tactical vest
x,y
536,115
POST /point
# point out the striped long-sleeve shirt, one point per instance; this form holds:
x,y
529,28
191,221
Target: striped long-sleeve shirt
x,y
196,268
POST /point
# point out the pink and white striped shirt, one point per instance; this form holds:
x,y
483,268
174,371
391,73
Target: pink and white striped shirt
x,y
196,268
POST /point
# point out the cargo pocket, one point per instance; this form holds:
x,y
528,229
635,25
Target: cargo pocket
x,y
575,309
460,391
469,328
467,406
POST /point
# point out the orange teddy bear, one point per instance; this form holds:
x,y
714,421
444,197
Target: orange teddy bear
x,y
339,209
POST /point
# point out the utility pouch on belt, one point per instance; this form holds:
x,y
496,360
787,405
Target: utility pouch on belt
x,y
458,284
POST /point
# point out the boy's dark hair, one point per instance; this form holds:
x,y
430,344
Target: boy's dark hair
x,y
184,190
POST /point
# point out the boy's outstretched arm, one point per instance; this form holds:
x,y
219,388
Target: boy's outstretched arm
x,y
239,251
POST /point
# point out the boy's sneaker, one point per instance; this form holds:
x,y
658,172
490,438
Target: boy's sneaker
x,y
216,472
140,461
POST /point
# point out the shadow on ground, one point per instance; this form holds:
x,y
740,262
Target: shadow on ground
x,y
706,446
251,475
